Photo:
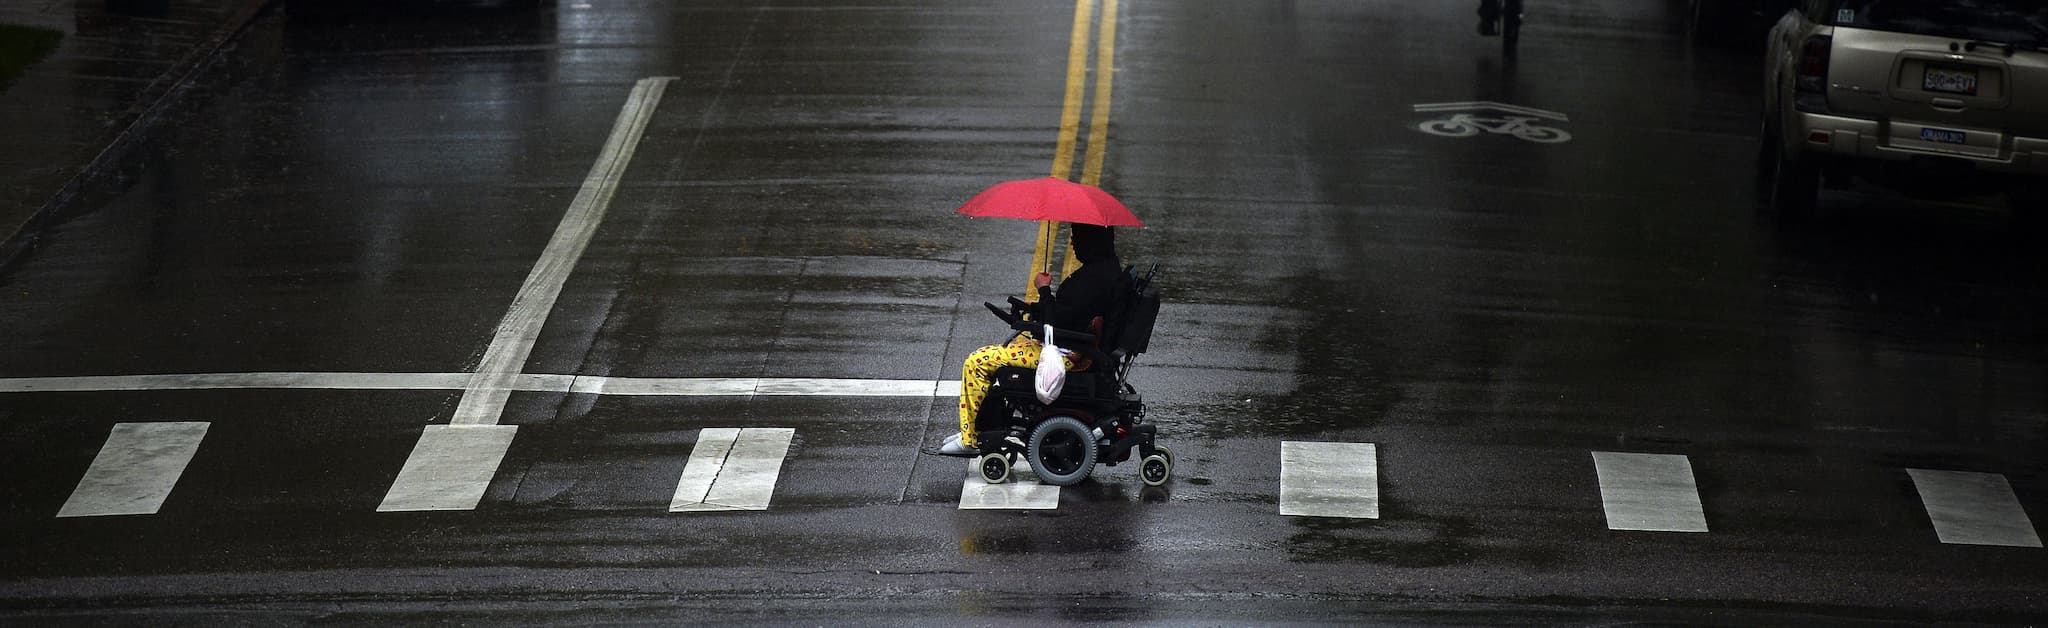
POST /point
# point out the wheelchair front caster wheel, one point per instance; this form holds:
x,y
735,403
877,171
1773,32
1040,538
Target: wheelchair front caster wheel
x,y
995,468
1156,468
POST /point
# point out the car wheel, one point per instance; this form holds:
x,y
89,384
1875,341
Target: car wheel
x,y
1786,185
1795,188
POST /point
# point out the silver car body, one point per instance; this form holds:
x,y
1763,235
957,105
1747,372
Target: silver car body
x,y
1914,90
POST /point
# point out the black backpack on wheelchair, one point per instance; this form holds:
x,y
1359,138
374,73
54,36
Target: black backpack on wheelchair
x,y
1097,418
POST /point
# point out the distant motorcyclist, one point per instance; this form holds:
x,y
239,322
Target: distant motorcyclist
x,y
1490,12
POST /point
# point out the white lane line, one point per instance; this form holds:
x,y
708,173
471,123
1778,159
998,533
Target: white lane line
x,y
450,468
1022,492
1329,480
135,470
525,382
1974,508
680,387
846,388
483,400
204,381
1650,492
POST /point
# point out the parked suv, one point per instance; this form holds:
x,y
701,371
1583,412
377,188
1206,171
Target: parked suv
x,y
1942,98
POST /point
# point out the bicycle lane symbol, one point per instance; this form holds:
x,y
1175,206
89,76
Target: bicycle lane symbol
x,y
1512,120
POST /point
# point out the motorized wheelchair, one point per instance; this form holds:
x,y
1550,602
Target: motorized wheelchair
x,y
1097,418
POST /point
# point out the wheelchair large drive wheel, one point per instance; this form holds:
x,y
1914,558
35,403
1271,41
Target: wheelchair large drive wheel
x,y
1062,451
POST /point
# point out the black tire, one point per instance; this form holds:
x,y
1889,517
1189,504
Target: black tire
x,y
1062,451
1156,468
994,468
1790,186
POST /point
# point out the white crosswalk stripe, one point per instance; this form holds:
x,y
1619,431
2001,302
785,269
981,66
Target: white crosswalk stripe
x,y
1329,480
1022,492
737,469
732,469
450,468
135,470
1974,508
1649,492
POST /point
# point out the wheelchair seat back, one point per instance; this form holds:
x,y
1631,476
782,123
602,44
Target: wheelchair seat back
x,y
1133,316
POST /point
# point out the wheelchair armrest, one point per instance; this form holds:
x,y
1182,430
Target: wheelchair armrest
x,y
1007,317
1065,338
1079,342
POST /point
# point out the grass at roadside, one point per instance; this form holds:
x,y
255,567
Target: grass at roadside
x,y
21,46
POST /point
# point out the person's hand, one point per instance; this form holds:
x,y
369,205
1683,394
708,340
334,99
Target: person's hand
x,y
1043,280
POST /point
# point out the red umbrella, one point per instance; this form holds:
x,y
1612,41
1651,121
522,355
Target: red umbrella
x,y
1051,199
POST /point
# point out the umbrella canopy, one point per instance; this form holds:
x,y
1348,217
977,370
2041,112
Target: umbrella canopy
x,y
1050,199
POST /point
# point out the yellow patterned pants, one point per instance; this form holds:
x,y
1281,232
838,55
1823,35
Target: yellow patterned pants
x,y
981,367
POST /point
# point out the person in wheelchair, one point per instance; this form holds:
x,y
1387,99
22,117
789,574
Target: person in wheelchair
x,y
1084,298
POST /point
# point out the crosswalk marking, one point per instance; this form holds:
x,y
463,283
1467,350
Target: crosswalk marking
x,y
732,469
1974,508
1022,492
450,468
135,470
1329,480
1650,492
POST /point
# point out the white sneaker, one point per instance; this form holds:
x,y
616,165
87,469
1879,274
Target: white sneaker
x,y
953,447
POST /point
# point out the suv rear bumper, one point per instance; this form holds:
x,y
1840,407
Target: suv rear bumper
x,y
1856,138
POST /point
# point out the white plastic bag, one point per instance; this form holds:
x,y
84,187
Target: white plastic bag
x,y
1052,369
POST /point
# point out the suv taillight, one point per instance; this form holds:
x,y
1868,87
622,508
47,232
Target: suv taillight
x,y
1811,90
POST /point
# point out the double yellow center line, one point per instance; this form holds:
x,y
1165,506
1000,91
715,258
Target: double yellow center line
x,y
1070,121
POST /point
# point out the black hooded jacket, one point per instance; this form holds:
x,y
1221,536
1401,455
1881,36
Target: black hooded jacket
x,y
1092,290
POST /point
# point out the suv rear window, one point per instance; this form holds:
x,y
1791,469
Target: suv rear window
x,y
2023,22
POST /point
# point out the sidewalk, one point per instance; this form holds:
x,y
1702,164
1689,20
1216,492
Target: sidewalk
x,y
77,108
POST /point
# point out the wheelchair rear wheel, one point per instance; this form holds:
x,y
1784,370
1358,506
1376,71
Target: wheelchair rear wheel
x,y
1062,451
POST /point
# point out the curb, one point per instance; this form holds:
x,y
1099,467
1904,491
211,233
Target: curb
x,y
156,98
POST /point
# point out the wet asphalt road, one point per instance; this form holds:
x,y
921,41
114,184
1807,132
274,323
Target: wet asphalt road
x,y
367,195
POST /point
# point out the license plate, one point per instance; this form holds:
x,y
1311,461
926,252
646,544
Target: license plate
x,y
1944,136
1950,80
